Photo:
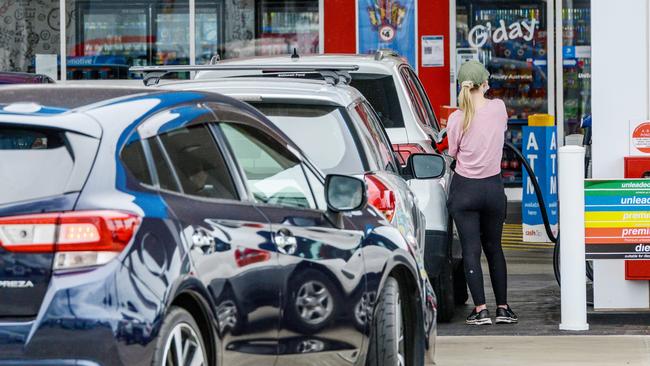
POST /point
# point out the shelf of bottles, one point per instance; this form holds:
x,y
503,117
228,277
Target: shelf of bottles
x,y
576,50
510,166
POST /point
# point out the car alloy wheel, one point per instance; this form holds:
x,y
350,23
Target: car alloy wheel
x,y
310,346
363,309
183,347
314,302
227,315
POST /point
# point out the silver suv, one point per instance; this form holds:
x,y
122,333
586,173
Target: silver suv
x,y
397,95
337,128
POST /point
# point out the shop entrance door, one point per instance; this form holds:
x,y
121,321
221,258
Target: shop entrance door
x,y
527,58
574,49
511,39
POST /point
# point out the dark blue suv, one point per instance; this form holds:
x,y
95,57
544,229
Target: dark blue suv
x,y
148,227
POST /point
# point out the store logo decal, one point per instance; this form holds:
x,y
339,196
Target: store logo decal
x,y
480,34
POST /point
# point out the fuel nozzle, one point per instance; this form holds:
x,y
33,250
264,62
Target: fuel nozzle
x,y
440,141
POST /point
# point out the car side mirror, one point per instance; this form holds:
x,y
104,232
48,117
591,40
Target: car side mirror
x,y
426,166
344,193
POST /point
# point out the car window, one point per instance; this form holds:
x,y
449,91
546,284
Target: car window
x,y
318,188
416,101
198,163
433,120
166,178
322,132
381,92
274,175
372,132
135,162
28,156
379,134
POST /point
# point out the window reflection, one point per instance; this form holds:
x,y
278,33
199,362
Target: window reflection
x,y
510,39
576,52
28,30
105,38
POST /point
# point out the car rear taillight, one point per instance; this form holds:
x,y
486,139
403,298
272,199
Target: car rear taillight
x,y
248,256
78,238
405,150
380,196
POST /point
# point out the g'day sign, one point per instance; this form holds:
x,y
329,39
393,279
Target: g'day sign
x,y
617,219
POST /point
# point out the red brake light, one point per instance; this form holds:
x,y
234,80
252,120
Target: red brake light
x,y
380,196
100,235
244,257
405,150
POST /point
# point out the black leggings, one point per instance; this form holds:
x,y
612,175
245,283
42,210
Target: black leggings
x,y
478,207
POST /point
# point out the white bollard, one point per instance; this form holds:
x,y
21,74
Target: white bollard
x,y
571,188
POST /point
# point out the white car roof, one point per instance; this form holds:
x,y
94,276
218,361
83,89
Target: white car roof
x,y
260,88
366,63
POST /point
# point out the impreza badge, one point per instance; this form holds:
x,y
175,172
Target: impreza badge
x,y
16,284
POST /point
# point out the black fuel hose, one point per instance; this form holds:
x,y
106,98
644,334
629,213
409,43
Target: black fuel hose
x,y
542,209
538,191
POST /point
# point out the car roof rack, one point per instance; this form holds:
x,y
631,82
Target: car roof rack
x,y
331,74
384,52
332,77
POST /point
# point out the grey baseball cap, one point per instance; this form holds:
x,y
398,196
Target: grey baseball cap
x,y
473,71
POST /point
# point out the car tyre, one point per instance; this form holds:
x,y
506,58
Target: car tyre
x,y
461,295
443,286
387,338
179,332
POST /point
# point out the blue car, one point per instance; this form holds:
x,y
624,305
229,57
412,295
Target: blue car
x,y
150,227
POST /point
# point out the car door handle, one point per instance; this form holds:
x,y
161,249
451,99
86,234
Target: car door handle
x,y
286,242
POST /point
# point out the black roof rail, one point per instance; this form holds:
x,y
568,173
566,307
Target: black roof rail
x,y
331,74
381,53
215,59
332,77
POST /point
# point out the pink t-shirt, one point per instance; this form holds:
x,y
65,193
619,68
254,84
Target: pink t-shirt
x,y
478,151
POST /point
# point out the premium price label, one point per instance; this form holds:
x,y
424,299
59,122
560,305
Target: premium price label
x,y
617,219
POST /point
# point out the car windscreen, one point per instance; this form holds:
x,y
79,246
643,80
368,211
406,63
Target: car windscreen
x,y
35,163
380,91
321,131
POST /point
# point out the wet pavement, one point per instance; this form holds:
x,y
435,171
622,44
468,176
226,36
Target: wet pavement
x,y
535,296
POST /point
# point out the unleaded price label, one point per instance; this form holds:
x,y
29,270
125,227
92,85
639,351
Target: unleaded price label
x,y
617,219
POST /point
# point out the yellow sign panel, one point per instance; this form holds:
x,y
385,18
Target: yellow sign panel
x,y
541,120
618,216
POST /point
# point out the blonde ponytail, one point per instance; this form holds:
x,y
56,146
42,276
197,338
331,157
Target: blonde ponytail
x,y
466,104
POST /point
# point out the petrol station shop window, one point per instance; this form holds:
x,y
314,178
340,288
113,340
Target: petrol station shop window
x,y
105,38
29,37
510,38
